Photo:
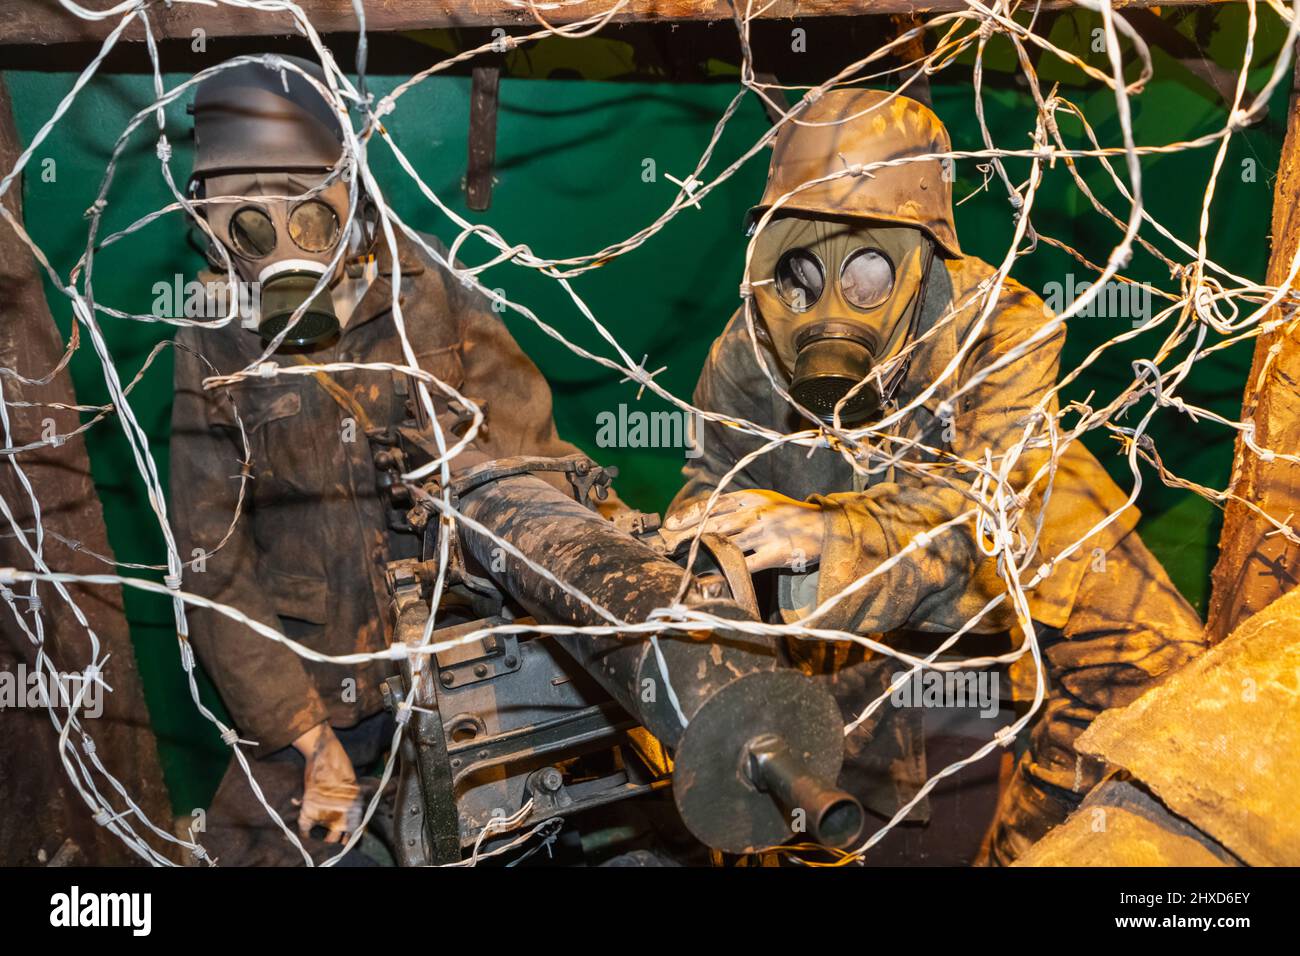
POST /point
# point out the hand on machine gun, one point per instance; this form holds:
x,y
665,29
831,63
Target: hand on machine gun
x,y
773,530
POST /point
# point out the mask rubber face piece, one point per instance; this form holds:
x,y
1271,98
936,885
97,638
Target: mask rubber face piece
x,y
283,245
840,302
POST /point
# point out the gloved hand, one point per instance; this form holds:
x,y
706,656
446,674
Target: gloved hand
x,y
779,531
331,797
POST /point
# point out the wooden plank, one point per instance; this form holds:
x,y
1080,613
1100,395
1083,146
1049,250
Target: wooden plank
x,y
483,101
43,815
45,22
1255,566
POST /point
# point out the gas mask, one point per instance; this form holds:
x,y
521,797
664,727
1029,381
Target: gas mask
x,y
284,246
838,299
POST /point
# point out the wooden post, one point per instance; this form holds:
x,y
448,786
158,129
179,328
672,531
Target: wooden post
x,y
914,49
44,819
1254,567
484,99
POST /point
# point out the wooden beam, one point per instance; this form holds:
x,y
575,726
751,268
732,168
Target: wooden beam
x,y
43,817
45,22
484,98
1255,566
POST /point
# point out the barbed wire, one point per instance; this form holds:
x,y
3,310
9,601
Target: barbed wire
x,y
1211,309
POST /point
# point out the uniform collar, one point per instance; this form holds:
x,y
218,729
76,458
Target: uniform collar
x,y
378,298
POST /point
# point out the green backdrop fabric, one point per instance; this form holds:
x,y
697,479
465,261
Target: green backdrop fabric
x,y
570,161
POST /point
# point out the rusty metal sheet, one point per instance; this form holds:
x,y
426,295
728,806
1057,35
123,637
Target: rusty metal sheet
x,y
1219,741
1121,825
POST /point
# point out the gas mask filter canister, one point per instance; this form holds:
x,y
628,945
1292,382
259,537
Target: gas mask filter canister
x,y
285,286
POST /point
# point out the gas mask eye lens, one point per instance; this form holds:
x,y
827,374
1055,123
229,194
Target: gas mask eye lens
x,y
800,279
867,278
252,233
313,226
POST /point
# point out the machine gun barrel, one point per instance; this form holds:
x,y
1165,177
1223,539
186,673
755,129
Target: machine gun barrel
x,y
729,684
831,816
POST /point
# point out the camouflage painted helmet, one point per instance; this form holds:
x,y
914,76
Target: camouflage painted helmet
x,y
914,194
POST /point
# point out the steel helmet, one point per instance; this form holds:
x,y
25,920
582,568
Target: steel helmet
x,y
250,117
850,126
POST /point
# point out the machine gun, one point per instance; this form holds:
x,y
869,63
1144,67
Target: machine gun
x,y
577,723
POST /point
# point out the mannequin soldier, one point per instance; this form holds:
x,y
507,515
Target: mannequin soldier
x,y
846,276
307,554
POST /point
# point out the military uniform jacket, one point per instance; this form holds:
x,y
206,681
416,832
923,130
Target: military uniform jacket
x,y
939,587
308,552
